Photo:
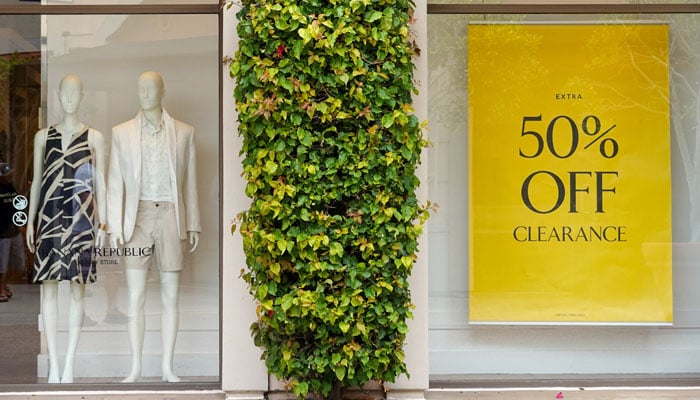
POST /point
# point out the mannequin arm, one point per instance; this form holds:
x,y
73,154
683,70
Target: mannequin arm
x,y
34,193
115,193
98,147
30,237
190,189
97,143
100,238
116,239
194,240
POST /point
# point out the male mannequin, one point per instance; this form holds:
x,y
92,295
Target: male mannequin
x,y
152,174
68,165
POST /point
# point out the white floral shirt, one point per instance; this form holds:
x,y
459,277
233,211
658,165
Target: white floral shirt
x,y
155,166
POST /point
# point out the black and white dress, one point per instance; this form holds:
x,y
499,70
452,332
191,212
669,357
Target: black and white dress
x,y
65,232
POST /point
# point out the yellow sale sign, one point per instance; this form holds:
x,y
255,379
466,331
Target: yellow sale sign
x,y
570,180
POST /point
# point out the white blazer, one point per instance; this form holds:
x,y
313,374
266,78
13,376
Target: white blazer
x,y
124,183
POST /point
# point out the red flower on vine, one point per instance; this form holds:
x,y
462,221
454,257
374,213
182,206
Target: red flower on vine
x,y
281,49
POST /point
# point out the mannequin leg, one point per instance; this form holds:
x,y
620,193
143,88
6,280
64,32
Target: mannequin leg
x,y
169,294
75,324
136,287
49,316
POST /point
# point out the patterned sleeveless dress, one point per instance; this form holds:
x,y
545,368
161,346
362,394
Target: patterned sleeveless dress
x,y
65,232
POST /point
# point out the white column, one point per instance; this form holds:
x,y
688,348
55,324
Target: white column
x,y
416,347
243,374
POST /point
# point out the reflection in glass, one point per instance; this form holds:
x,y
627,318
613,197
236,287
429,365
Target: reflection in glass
x,y
460,348
20,99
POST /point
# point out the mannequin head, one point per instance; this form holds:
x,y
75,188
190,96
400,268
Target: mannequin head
x,y
70,94
151,91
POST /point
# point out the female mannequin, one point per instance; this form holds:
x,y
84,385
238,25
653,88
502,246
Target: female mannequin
x,y
67,199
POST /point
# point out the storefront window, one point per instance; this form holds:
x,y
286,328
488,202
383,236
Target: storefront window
x,y
461,348
78,91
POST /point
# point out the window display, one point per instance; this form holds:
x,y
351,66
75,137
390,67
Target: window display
x,y
121,278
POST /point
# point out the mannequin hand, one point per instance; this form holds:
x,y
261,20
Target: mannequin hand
x,y
194,240
100,238
30,237
116,239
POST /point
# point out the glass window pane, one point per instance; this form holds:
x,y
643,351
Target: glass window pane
x,y
110,53
460,348
59,103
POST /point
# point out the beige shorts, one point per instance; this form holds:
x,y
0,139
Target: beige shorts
x,y
156,228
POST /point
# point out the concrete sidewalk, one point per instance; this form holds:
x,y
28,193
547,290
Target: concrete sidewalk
x,y
442,387
598,393
564,393
566,387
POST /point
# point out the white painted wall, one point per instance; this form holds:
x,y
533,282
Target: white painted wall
x,y
243,374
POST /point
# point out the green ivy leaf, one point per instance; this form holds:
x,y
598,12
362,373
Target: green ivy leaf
x,y
340,372
373,16
388,120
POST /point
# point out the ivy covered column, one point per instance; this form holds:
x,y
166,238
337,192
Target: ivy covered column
x,y
332,148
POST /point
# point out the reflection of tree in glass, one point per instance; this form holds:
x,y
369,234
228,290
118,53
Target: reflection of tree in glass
x,y
626,56
447,43
497,66
447,66
685,110
14,126
684,99
7,64
447,58
4,145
